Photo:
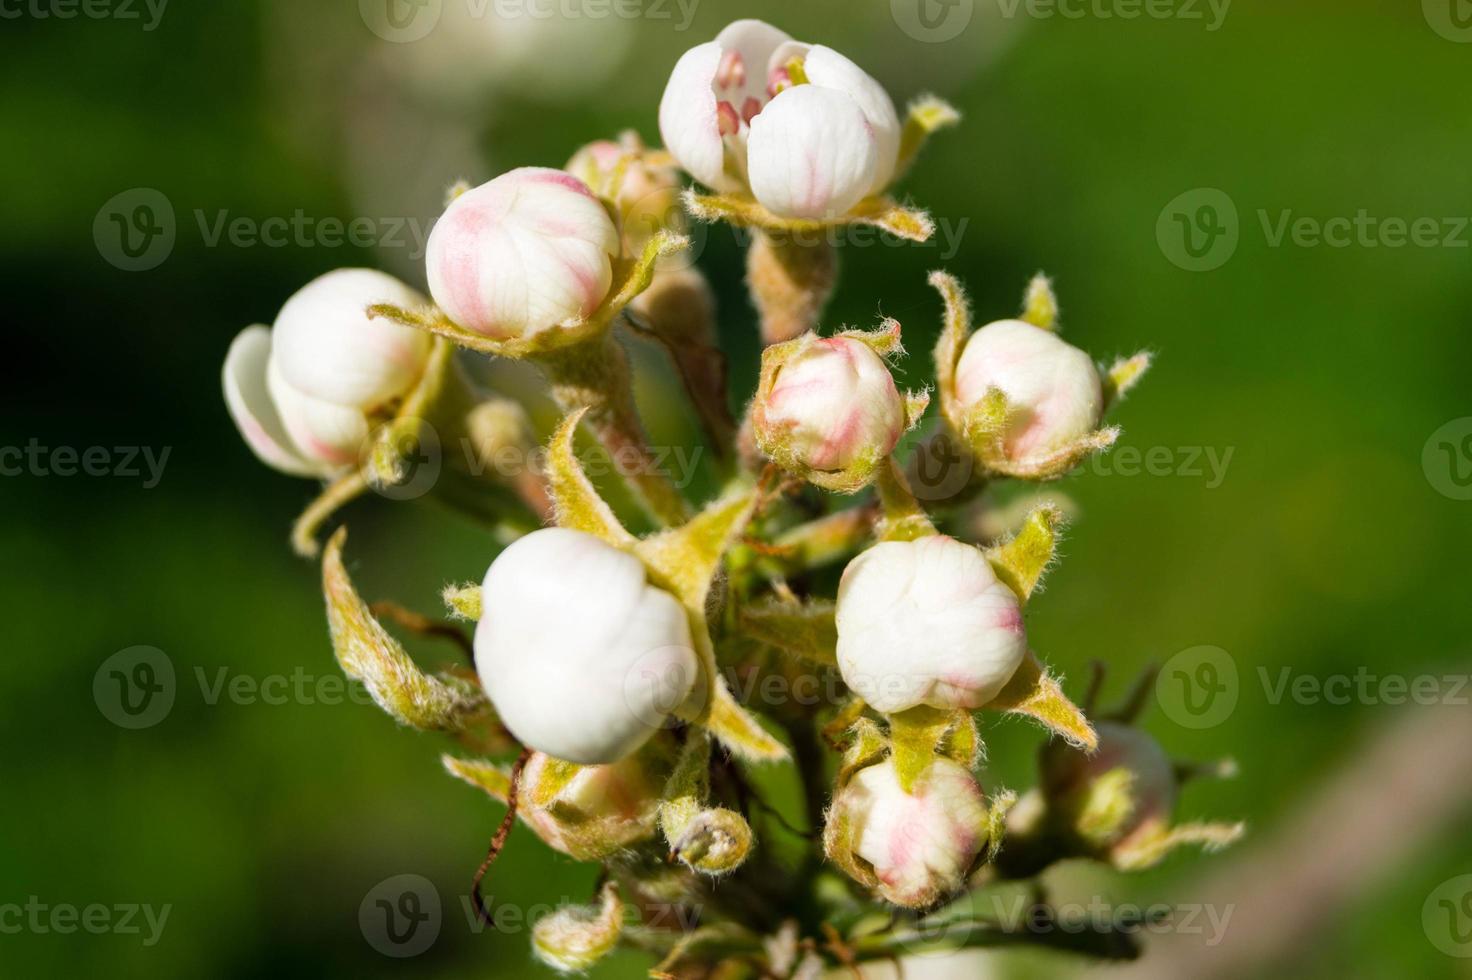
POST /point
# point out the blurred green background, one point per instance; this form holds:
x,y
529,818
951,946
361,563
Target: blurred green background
x,y
1326,546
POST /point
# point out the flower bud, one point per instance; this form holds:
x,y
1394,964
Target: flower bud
x,y
1054,395
646,193
522,254
827,405
575,937
582,657
926,622
601,810
921,845
1124,791
807,131
305,393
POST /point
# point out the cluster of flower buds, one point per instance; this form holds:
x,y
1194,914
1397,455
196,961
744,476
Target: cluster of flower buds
x,y
602,657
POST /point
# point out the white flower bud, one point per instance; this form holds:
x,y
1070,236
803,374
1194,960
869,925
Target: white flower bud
x,y
305,393
581,656
1052,387
807,127
522,254
922,844
830,405
926,622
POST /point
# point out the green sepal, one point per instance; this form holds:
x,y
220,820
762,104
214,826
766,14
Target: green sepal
x,y
915,737
369,654
1022,561
1035,693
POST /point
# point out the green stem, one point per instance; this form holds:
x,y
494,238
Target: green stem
x,y
596,376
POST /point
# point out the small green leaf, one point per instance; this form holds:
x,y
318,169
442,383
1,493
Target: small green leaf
x,y
578,505
1022,561
1033,692
368,653
1040,305
925,116
483,774
1152,849
463,601
1123,375
575,937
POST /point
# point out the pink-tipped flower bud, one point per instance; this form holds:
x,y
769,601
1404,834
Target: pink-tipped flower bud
x,y
1124,791
801,127
522,254
1053,389
647,194
927,622
831,404
583,658
306,392
923,844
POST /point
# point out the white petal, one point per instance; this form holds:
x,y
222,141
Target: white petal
x,y
250,404
829,69
328,349
687,118
522,253
755,42
330,435
811,153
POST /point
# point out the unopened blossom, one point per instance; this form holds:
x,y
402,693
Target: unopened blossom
x,y
581,656
306,392
646,192
1053,391
1151,781
800,126
831,404
521,254
602,809
921,844
926,622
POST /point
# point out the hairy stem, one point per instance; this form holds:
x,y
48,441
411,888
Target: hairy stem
x,y
596,376
791,278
